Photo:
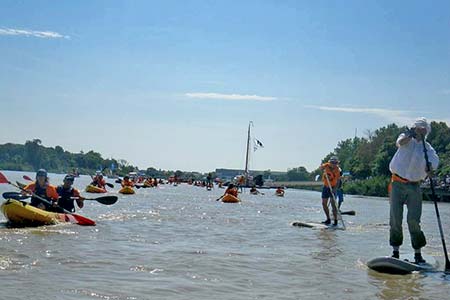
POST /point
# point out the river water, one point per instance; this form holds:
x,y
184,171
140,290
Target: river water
x,y
179,243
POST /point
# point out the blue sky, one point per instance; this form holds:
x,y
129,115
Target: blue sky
x,y
173,84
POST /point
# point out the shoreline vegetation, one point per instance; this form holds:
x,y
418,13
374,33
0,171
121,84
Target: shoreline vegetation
x,y
364,161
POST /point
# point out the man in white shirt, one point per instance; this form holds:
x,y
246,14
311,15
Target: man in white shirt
x,y
408,168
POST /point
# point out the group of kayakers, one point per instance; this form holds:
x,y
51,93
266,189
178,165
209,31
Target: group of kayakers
x,y
48,197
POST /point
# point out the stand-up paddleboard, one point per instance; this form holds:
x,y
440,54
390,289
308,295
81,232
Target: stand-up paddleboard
x,y
404,265
315,225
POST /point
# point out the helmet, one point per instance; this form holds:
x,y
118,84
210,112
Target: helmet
x,y
69,178
41,172
333,159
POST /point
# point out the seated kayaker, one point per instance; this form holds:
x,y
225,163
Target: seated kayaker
x,y
67,194
254,191
127,182
279,191
148,182
41,187
99,181
232,190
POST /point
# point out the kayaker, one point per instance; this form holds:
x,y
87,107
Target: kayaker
x,y
127,182
408,168
330,177
232,190
99,181
67,194
280,191
44,189
254,191
148,182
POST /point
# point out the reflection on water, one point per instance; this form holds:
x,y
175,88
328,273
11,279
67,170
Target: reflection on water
x,y
326,248
179,243
398,286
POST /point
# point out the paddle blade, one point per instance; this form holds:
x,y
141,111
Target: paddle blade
x,y
110,185
350,213
80,220
20,185
27,178
3,178
107,200
14,195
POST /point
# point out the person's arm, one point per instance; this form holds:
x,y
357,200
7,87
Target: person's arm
x,y
403,139
79,199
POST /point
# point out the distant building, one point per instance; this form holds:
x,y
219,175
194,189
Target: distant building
x,y
228,174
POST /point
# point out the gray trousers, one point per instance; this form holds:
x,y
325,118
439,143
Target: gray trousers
x,y
409,194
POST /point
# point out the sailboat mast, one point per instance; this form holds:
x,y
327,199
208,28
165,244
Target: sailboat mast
x,y
247,154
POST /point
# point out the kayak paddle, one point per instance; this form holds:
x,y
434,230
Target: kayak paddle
x,y
80,220
14,195
349,212
107,200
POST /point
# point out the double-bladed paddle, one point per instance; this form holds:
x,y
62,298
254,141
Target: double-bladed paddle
x,y
80,220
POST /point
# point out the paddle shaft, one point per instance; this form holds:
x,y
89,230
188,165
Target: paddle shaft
x,y
334,200
433,195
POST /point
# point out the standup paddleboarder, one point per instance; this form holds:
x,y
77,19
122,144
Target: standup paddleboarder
x,y
331,176
408,168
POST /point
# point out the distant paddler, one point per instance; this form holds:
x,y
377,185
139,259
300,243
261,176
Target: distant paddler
x,y
98,180
254,191
127,182
279,192
230,195
330,177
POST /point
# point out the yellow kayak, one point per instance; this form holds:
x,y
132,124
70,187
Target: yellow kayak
x,y
95,189
127,190
230,199
22,214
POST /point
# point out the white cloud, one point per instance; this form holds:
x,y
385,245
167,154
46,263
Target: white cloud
x,y
233,97
33,33
401,117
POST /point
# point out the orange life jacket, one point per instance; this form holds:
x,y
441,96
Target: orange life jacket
x,y
333,173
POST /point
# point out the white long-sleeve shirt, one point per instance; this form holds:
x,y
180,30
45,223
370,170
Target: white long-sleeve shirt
x,y
409,160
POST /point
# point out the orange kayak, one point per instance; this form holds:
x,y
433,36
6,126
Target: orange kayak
x,y
95,189
127,190
230,199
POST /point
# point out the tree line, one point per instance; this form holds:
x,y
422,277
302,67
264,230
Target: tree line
x,y
33,156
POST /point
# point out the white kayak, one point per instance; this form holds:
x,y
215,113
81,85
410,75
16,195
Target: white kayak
x,y
404,265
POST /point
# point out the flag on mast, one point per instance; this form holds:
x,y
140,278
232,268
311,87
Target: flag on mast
x,y
257,145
